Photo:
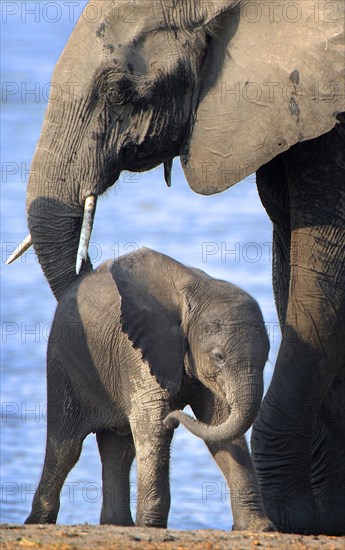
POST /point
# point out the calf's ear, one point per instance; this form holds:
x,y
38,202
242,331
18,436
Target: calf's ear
x,y
152,329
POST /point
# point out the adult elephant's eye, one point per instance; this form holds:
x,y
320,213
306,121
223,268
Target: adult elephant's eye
x,y
120,92
218,357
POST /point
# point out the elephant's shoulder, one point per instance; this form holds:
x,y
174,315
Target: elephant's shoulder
x,y
94,291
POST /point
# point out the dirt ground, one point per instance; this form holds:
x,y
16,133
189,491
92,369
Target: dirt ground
x,y
87,537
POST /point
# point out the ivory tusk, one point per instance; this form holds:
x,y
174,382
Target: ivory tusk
x,y
86,229
167,171
27,242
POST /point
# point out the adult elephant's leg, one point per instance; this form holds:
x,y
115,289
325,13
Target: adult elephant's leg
x,y
234,461
152,446
273,189
117,454
313,346
64,442
328,458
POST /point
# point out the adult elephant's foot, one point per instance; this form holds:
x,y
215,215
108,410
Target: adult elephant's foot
x,y
332,513
328,464
290,514
284,476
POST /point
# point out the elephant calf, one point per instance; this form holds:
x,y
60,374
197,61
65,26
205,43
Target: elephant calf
x,y
131,344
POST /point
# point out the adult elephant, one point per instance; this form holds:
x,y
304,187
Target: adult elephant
x,y
231,87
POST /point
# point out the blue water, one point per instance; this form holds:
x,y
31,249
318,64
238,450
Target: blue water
x,y
227,235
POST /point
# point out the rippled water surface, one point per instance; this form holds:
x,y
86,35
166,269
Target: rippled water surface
x,y
227,235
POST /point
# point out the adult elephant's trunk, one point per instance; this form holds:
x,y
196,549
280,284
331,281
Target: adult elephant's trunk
x,y
54,225
55,230
244,404
64,172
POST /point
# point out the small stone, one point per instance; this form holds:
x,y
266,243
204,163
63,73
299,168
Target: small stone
x,y
27,543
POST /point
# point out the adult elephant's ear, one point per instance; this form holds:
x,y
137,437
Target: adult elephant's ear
x,y
152,329
273,76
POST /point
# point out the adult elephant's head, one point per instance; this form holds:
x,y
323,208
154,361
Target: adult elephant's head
x,y
140,83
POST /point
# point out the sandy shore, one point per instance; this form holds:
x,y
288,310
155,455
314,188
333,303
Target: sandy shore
x,y
85,537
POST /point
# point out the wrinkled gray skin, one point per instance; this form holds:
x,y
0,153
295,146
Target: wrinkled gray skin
x,y
203,337
131,86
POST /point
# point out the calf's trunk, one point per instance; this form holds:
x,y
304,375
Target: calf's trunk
x,y
244,406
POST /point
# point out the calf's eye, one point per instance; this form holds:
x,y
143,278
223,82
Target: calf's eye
x,y
217,356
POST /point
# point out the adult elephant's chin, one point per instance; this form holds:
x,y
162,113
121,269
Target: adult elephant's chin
x,y
243,411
